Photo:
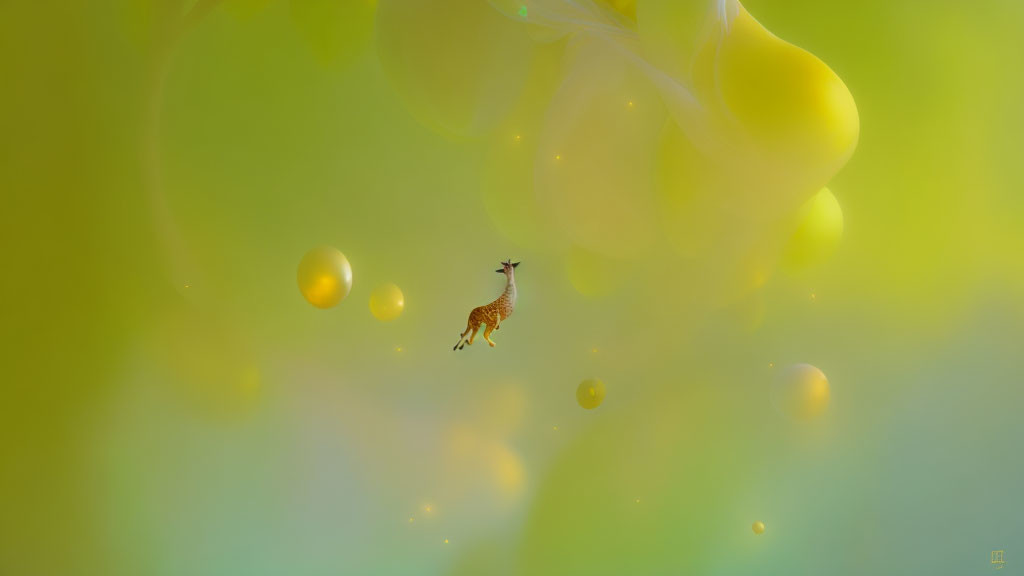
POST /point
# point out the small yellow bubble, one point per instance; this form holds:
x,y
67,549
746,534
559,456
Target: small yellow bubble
x,y
324,277
399,349
387,302
555,428
637,500
411,520
758,527
814,296
558,156
771,364
445,540
630,103
517,138
590,394
428,508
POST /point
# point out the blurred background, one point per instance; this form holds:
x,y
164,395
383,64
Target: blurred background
x,y
171,404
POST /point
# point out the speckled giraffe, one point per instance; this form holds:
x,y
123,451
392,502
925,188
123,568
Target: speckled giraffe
x,y
492,314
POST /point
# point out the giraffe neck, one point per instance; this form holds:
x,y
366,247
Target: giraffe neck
x,y
510,290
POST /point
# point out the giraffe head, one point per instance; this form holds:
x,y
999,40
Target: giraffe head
x,y
507,267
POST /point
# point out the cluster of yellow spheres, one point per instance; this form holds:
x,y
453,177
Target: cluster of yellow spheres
x,y
325,279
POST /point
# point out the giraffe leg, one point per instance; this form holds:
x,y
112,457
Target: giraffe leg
x,y
487,335
462,338
473,335
497,325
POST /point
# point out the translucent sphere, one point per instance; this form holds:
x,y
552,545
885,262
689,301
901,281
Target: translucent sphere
x,y
325,277
800,392
590,394
819,231
387,302
758,527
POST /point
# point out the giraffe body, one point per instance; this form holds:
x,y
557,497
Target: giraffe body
x,y
491,315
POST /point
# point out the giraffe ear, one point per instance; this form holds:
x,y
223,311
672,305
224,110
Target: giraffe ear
x,y
500,270
514,264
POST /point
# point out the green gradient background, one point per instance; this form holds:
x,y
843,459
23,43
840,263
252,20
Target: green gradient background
x,y
230,428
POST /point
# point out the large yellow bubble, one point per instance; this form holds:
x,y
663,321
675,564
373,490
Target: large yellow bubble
x,y
590,393
800,392
758,527
387,302
792,104
325,277
819,231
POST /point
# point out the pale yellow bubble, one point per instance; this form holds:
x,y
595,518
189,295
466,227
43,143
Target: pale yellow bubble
x,y
387,302
590,394
595,164
506,469
758,527
324,277
459,65
819,231
800,392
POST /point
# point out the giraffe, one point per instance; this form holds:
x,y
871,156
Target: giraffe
x,y
492,314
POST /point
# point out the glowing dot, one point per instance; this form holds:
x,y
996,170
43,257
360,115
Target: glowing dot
x,y
813,296
558,156
517,138
411,519
637,500
398,349
522,11
555,428
387,302
324,276
630,104
758,527
445,540
188,285
590,394
593,350
427,508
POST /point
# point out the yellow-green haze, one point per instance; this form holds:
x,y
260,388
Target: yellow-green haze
x,y
782,242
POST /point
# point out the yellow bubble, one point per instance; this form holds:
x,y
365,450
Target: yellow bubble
x,y
506,470
800,392
387,302
785,97
590,394
595,184
325,277
758,527
818,233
